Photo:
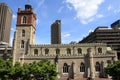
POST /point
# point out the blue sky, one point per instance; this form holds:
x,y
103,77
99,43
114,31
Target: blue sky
x,y
78,17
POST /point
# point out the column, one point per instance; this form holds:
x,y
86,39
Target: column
x,y
91,62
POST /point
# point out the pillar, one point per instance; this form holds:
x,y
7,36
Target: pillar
x,y
91,63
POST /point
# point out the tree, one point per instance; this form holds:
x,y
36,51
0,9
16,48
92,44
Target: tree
x,y
43,69
36,70
5,68
114,70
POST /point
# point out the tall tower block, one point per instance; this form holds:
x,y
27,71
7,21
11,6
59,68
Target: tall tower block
x,y
25,31
56,32
5,22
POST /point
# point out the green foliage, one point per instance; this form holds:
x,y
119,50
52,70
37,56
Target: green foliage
x,y
5,69
114,70
36,70
44,68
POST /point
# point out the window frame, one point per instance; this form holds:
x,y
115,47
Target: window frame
x,y
36,52
82,67
99,50
68,51
97,67
22,44
46,51
57,51
23,33
79,50
24,20
65,68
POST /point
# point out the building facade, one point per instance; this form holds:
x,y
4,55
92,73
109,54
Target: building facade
x,y
73,61
56,32
103,34
5,22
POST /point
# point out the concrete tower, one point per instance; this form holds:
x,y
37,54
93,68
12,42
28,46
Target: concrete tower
x,y
5,22
25,32
56,32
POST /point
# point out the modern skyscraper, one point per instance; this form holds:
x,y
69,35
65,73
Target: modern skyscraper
x,y
5,22
56,32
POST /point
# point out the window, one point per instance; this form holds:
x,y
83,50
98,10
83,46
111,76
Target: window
x,y
57,51
23,33
36,52
46,51
68,51
82,67
97,66
24,19
65,68
79,51
22,43
99,50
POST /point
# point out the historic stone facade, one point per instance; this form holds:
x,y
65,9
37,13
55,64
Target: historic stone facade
x,y
72,60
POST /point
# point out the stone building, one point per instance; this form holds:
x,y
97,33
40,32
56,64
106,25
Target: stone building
x,y
5,22
72,60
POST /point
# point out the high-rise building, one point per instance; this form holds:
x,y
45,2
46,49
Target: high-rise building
x,y
56,32
103,34
5,22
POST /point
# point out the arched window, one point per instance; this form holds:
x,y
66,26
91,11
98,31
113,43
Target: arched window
x,y
24,20
22,44
65,68
36,52
97,66
46,51
82,67
79,51
99,50
68,51
58,51
23,33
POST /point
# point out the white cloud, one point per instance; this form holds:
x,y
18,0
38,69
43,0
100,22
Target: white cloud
x,y
109,7
86,9
90,31
66,35
99,16
14,16
69,7
37,21
117,11
41,2
60,9
12,29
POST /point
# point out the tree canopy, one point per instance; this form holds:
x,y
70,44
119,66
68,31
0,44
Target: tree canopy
x,y
43,69
114,70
